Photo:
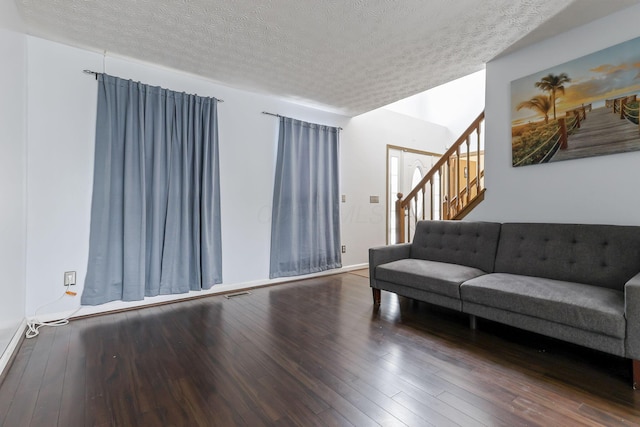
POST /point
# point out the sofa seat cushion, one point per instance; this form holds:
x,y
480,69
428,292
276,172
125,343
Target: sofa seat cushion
x,y
591,308
432,276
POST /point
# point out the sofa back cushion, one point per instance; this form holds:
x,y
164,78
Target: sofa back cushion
x,y
457,242
601,255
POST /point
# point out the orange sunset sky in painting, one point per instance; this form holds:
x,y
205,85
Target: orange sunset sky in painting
x,y
608,73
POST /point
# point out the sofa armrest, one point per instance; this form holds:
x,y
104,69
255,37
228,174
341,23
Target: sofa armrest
x,y
632,315
385,254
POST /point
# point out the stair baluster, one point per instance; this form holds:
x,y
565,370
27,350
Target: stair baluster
x,y
455,197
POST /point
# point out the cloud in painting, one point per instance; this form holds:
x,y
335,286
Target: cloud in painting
x,y
609,81
609,69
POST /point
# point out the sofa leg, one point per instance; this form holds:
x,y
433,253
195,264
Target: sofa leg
x,y
472,321
635,367
376,296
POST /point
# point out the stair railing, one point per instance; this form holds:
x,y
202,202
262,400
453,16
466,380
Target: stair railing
x,y
450,189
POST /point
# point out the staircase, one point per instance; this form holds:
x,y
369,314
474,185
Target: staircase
x,y
451,189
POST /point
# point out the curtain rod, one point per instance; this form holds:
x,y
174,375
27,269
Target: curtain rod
x,y
278,115
95,73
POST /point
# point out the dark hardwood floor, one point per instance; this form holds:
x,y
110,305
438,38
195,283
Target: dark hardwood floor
x,y
309,353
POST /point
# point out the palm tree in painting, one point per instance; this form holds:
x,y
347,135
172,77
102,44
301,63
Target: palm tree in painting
x,y
539,103
554,84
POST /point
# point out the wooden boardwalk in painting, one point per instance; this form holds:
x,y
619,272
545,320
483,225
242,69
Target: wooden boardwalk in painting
x,y
603,132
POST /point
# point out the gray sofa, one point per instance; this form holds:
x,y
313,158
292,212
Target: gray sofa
x,y
578,283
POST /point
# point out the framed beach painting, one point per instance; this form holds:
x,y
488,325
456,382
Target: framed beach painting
x,y
582,108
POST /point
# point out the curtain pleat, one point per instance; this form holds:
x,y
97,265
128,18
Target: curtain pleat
x,y
155,214
305,228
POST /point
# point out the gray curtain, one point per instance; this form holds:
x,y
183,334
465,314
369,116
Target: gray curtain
x,y
155,214
305,227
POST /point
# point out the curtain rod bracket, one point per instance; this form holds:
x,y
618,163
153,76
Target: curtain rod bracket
x,y
91,72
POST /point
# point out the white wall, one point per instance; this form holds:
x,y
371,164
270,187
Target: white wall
x,y
61,121
593,190
12,172
453,105
364,165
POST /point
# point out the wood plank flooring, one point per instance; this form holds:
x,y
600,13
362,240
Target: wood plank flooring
x,y
309,353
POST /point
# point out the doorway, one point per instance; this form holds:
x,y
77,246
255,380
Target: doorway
x,y
405,168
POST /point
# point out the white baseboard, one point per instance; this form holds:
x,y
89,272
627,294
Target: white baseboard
x,y
217,289
13,346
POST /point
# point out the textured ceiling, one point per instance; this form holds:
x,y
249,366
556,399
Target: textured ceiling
x,y
345,56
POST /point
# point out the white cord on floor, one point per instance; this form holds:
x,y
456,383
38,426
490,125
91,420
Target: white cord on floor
x,y
34,324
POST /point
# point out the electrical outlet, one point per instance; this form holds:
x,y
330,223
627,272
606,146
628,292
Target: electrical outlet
x,y
69,278
344,249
